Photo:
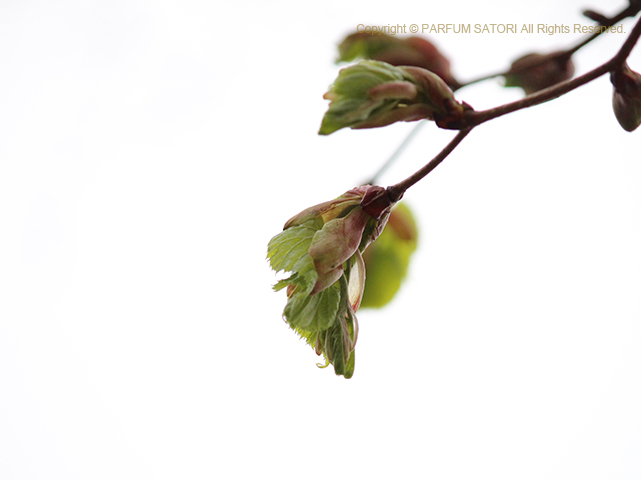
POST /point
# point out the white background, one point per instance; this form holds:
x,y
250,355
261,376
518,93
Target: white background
x,y
149,151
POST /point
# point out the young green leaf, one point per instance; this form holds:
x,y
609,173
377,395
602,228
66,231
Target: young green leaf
x,y
313,312
288,250
321,248
374,94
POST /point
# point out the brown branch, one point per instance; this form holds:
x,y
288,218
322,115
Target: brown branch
x,y
555,91
396,192
474,119
631,11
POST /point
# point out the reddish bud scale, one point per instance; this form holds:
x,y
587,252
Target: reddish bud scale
x,y
376,202
455,119
434,91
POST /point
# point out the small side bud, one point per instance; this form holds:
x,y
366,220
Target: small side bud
x,y
626,98
534,72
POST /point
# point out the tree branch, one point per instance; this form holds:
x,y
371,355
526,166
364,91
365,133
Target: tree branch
x,y
474,118
631,11
555,91
396,192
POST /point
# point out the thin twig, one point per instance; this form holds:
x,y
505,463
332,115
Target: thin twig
x,y
630,11
555,91
397,191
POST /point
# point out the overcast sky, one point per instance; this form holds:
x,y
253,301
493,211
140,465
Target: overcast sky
x,y
148,152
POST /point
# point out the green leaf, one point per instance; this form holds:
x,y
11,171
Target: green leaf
x,y
373,94
313,312
337,342
321,247
340,344
289,249
349,95
387,259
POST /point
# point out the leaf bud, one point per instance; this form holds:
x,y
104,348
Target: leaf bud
x,y
534,72
626,98
321,247
375,94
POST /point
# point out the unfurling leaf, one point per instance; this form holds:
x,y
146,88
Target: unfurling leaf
x,y
321,247
626,98
375,94
410,51
387,259
534,72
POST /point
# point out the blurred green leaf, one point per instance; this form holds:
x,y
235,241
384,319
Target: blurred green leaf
x,y
387,259
349,95
410,51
